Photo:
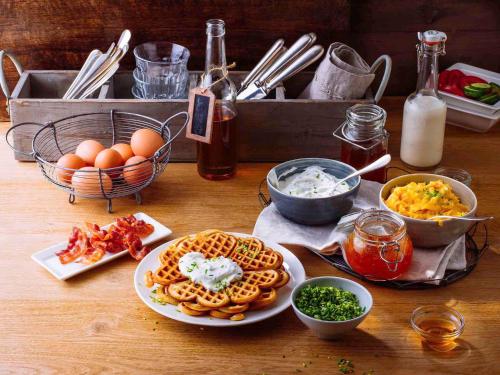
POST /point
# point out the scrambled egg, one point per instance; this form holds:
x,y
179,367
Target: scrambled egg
x,y
424,200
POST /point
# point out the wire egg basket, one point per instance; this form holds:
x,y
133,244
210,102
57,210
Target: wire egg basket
x,y
57,138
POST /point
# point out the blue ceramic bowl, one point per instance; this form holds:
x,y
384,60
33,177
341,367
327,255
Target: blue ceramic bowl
x,y
313,211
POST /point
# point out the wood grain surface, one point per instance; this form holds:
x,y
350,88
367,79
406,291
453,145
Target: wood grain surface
x,y
95,322
57,34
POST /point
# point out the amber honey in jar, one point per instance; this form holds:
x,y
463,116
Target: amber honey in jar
x,y
364,138
379,248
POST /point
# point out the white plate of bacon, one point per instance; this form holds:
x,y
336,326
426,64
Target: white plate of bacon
x,y
93,246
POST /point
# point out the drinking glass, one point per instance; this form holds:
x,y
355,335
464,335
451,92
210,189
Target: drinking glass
x,y
161,70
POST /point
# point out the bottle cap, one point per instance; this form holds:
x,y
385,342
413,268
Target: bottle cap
x,y
432,37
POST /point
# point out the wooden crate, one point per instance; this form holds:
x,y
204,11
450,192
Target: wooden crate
x,y
275,129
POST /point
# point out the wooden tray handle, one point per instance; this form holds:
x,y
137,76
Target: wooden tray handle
x,y
3,81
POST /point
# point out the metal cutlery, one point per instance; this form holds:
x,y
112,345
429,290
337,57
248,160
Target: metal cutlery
x,y
98,68
379,163
447,217
90,60
301,45
281,70
271,55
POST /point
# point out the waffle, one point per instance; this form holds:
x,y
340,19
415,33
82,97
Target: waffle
x,y
172,252
284,277
211,244
187,291
263,275
164,297
234,309
255,257
168,272
266,298
186,310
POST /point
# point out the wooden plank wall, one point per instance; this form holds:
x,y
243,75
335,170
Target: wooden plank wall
x,y
58,34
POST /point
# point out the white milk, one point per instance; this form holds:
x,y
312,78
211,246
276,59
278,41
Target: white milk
x,y
422,137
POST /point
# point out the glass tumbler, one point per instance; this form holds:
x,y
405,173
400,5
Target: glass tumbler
x,y
161,70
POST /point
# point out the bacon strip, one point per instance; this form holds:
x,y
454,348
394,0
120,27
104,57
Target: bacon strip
x,y
125,233
77,246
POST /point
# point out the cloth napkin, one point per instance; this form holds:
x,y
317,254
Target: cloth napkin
x,y
427,264
343,74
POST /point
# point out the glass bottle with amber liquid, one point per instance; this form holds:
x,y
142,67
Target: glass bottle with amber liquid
x,y
218,159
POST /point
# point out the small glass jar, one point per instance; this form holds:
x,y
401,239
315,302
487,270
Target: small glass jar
x,y
364,138
379,248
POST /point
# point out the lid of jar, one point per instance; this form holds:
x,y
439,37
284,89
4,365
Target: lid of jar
x,y
379,225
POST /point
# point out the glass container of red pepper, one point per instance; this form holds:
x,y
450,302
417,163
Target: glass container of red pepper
x,y
364,138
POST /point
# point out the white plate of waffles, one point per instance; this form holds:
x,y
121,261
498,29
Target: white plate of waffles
x,y
270,272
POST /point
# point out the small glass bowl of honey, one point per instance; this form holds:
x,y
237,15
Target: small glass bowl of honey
x,y
438,326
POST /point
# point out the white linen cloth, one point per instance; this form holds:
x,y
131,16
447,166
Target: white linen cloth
x,y
427,264
343,74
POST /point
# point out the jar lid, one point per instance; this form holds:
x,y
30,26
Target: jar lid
x,y
379,226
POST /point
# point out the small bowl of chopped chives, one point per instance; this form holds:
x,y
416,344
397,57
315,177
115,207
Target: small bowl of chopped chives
x,y
331,306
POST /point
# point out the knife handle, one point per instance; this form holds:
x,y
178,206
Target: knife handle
x,y
264,62
302,62
303,43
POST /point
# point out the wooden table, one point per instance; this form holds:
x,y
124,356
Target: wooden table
x,y
95,322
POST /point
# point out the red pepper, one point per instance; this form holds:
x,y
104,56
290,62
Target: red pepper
x,y
443,79
455,90
468,80
449,81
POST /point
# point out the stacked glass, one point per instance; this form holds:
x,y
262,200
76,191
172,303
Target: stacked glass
x,y
161,71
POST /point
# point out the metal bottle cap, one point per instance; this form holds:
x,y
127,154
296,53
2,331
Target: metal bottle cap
x,y
432,37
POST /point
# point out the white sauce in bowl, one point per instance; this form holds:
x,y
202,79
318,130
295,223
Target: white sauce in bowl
x,y
313,182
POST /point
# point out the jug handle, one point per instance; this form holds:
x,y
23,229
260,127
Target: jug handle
x,y
387,74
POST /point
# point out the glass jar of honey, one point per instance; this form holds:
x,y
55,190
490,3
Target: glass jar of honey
x,y
364,138
379,248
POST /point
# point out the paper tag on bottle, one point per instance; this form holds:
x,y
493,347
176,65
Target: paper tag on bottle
x,y
201,112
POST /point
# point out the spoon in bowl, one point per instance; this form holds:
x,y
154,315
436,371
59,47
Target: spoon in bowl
x,y
447,217
379,163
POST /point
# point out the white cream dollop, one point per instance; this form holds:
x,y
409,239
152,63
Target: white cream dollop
x,y
214,274
313,182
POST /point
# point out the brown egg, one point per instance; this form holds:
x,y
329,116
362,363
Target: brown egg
x,y
66,166
124,150
145,142
88,150
137,174
108,158
86,181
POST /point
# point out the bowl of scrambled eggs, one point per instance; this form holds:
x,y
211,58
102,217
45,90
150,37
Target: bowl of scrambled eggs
x,y
419,197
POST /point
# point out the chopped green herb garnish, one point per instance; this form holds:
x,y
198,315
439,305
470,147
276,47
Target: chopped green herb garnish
x,y
345,366
328,303
157,300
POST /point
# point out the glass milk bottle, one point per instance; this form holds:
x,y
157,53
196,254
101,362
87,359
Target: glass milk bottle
x,y
218,160
424,113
